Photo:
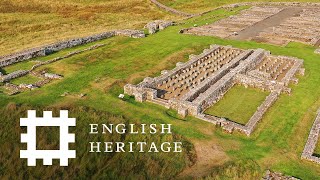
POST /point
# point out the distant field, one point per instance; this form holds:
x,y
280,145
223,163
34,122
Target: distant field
x,y
239,104
31,23
196,6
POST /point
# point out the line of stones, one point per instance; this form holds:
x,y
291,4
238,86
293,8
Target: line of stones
x,y
20,73
312,141
48,49
169,9
277,176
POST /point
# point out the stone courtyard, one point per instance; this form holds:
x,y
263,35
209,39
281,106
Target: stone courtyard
x,y
198,84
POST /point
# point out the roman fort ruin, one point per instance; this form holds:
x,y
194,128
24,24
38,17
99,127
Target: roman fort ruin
x,y
269,23
192,87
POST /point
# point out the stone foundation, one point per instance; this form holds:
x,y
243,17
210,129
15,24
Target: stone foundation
x,y
308,152
192,87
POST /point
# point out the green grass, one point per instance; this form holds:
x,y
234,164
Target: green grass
x,y
276,144
239,104
27,79
317,150
27,65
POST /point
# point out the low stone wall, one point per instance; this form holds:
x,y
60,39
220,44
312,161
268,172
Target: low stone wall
x,y
253,82
262,109
169,9
291,73
66,56
13,75
190,96
312,141
48,49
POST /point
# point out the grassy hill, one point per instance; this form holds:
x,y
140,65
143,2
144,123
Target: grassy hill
x,y
101,74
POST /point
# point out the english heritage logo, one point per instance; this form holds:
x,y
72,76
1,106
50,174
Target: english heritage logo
x,y
63,122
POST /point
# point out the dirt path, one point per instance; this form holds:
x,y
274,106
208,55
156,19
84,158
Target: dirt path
x,y
272,21
169,9
209,155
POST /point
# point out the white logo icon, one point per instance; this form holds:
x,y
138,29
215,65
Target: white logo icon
x,y
31,154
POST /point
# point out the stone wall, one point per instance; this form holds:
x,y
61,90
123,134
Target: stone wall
x,y
262,109
249,81
48,49
213,79
312,141
216,91
166,8
13,75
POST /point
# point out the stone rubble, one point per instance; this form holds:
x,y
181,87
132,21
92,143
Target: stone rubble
x,y
155,26
277,176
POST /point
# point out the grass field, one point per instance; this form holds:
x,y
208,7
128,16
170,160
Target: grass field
x,y
28,79
239,104
101,74
31,23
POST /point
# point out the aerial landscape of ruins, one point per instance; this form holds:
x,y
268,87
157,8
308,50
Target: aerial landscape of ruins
x,y
239,82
